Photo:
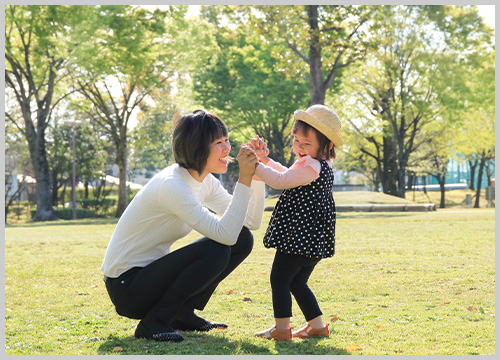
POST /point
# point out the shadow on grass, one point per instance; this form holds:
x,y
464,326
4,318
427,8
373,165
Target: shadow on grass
x,y
196,343
312,346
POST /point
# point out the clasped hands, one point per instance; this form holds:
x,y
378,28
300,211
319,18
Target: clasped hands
x,y
250,154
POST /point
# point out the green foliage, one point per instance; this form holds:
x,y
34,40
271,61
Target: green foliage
x,y
98,206
316,42
67,213
151,140
252,96
410,94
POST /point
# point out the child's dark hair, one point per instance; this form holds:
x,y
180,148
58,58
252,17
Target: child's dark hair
x,y
192,137
324,151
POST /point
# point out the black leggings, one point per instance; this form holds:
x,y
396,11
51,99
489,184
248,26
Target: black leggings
x,y
186,277
290,274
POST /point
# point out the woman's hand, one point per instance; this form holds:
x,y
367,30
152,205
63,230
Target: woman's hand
x,y
247,160
260,147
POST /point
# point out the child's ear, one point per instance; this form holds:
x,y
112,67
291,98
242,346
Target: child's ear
x,y
331,145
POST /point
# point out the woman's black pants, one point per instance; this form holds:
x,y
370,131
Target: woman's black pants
x,y
186,277
290,274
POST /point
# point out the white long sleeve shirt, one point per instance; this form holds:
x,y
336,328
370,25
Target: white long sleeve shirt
x,y
171,205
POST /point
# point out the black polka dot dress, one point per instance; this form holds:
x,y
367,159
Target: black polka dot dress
x,y
303,220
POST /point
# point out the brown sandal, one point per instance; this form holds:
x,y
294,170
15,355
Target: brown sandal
x,y
273,333
308,331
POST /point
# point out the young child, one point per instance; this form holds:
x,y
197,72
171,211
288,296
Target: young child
x,y
302,226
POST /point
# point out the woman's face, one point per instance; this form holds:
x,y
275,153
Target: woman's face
x,y
305,144
217,159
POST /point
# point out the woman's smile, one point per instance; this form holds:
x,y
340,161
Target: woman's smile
x,y
218,159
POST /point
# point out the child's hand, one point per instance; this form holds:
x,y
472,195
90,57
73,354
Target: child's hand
x,y
260,147
247,160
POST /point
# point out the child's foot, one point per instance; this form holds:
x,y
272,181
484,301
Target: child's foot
x,y
273,333
307,331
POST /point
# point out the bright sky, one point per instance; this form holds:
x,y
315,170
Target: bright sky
x,y
488,13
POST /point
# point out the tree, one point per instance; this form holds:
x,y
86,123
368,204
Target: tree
x,y
244,86
480,117
131,54
315,42
59,155
151,140
404,87
90,150
37,46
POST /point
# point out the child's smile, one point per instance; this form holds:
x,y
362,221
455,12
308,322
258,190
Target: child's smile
x,y
304,145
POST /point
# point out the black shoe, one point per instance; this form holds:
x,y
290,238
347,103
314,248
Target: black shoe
x,y
205,326
165,334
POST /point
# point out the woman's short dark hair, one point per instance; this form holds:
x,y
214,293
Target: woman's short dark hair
x,y
324,151
192,137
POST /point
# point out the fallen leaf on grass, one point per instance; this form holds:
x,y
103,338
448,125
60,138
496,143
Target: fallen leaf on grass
x,y
247,299
399,351
230,292
333,319
379,326
470,308
353,347
447,302
118,349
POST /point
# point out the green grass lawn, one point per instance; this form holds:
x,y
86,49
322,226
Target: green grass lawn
x,y
400,283
453,198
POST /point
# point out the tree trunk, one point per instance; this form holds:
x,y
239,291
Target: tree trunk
x,y
489,171
44,209
55,187
411,180
441,182
389,172
402,182
472,166
479,179
317,87
38,155
121,161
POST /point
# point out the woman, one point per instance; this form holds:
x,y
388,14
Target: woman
x,y
161,288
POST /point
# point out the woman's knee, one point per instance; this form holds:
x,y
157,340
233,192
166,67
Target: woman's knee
x,y
216,254
244,244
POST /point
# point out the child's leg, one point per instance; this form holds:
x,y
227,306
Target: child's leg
x,y
304,296
285,267
282,323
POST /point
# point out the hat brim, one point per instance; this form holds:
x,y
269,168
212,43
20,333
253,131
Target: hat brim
x,y
318,125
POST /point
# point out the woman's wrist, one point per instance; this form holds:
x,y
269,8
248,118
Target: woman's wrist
x,y
245,180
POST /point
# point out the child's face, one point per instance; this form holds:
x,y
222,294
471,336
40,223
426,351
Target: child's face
x,y
305,144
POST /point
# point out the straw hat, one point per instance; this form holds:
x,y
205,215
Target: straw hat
x,y
324,120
